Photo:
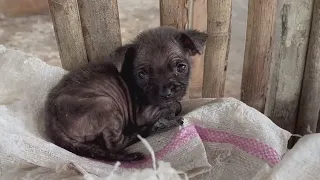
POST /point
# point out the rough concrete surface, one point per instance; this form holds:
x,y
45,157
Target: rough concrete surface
x,y
35,35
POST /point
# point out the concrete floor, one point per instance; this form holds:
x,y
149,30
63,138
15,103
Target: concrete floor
x,y
35,35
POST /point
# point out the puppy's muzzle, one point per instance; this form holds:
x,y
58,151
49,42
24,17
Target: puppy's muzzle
x,y
167,91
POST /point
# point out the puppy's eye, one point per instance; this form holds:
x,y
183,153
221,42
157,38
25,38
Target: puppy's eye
x,y
142,75
181,68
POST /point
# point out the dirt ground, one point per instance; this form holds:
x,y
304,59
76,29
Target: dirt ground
x,y
35,35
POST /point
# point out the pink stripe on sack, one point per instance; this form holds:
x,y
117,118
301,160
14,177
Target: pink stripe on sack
x,y
251,146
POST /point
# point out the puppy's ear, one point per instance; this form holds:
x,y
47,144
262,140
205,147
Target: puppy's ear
x,y
193,41
129,56
120,51
118,56
130,53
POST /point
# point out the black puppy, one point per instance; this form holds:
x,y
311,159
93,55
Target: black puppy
x,y
159,70
90,112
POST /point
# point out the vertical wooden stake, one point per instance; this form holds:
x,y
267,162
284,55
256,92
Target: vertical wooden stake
x,y
258,52
100,26
310,95
67,28
291,44
217,48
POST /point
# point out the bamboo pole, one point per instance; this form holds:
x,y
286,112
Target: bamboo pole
x,y
100,26
217,48
67,28
310,96
173,13
258,52
197,12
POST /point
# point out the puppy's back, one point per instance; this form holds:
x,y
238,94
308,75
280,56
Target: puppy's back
x,y
83,104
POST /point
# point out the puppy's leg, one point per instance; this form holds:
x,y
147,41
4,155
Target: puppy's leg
x,y
169,110
116,141
176,106
152,113
160,118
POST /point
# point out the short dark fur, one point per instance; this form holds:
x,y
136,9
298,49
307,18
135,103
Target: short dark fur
x,y
89,111
97,112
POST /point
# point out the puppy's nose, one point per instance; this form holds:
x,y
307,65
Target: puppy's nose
x,y
166,92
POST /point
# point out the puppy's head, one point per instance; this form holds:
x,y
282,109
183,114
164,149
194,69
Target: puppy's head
x,y
158,62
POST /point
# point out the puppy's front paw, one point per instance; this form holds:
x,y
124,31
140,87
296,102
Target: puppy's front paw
x,y
174,106
165,124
